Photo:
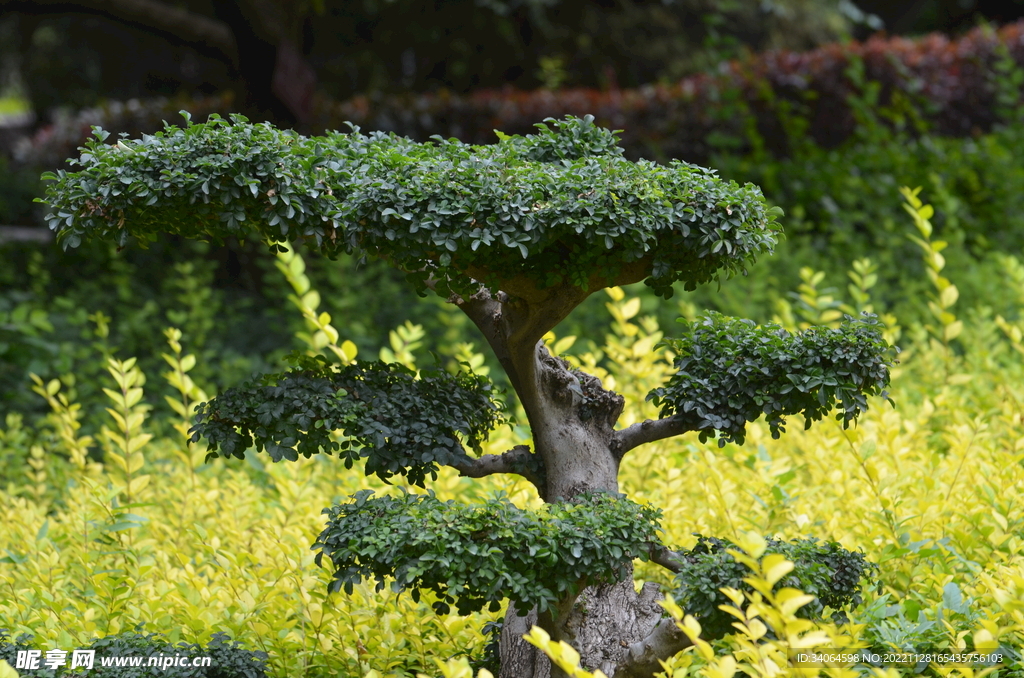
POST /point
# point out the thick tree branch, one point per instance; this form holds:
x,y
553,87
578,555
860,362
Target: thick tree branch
x,y
651,430
668,559
533,310
535,319
513,326
518,460
188,27
530,312
486,313
664,641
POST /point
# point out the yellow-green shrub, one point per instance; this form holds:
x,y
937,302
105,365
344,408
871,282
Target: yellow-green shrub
x,y
198,548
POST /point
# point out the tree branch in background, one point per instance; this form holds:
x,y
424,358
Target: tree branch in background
x,y
188,27
25,234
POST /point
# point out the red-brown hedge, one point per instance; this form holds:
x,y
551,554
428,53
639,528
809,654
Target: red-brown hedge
x,y
953,81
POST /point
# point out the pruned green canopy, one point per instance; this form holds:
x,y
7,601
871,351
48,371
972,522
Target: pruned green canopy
x,y
402,424
730,372
477,556
564,202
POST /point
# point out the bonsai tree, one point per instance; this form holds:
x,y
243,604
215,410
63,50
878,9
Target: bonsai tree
x,y
515,235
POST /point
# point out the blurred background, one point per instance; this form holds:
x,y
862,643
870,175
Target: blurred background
x,y
829,105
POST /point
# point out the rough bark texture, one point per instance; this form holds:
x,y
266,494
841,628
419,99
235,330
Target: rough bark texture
x,y
572,420
519,659
572,429
605,624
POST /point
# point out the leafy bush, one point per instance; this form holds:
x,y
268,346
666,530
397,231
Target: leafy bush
x,y
731,372
457,207
826,571
477,555
383,411
839,203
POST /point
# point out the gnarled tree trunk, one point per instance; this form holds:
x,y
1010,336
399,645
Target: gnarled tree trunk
x,y
606,625
612,626
572,419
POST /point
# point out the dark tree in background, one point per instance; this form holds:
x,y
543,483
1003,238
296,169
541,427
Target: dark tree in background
x,y
950,16
125,48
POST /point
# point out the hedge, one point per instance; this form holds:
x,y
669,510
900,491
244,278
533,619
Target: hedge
x,y
953,82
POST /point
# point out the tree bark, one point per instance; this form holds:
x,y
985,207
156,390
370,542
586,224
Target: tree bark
x,y
607,626
519,659
572,420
